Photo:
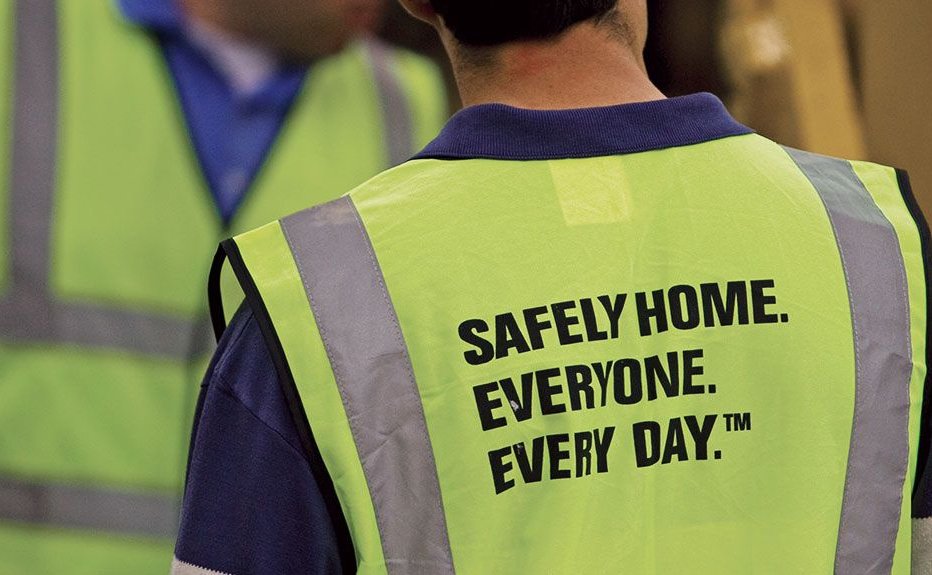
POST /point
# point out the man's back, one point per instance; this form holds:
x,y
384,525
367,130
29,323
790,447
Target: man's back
x,y
672,338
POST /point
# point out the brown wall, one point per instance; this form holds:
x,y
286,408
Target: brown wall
x,y
895,57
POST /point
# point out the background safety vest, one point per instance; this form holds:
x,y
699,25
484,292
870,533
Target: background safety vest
x,y
106,234
701,359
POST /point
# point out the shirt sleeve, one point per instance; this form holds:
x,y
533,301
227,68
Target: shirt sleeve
x,y
251,504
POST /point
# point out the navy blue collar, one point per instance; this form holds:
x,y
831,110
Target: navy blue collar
x,y
500,132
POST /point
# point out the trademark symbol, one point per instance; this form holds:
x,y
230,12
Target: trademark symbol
x,y
737,421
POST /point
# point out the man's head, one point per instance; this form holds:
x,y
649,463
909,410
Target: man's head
x,y
479,24
543,54
298,29
492,22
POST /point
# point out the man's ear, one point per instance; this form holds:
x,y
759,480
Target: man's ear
x,y
422,10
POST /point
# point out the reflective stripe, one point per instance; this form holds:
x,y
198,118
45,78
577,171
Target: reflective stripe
x,y
396,115
373,371
922,546
28,313
179,567
92,326
879,451
35,125
71,507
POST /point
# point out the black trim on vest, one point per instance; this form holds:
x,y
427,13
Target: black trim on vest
x,y
215,293
286,380
925,430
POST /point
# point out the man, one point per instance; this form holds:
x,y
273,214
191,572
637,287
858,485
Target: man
x,y
587,330
137,134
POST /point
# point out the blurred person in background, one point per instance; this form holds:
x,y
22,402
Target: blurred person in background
x,y
450,393
137,133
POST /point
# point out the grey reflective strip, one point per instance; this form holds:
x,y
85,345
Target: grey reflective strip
x,y
373,371
103,328
85,508
396,114
179,567
922,546
879,451
35,125
28,313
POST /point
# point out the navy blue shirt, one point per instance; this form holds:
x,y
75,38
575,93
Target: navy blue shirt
x,y
232,133
251,503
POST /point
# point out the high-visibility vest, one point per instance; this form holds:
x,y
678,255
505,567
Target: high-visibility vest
x,y
106,237
704,359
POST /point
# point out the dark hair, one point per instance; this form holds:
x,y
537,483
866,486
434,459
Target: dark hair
x,y
493,22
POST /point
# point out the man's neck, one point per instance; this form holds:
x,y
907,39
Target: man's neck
x,y
586,67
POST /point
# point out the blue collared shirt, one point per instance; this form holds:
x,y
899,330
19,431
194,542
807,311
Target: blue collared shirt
x,y
251,503
232,133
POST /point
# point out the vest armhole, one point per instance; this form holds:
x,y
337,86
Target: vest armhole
x,y
925,432
289,388
214,293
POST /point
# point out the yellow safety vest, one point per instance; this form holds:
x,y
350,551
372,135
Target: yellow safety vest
x,y
699,359
106,234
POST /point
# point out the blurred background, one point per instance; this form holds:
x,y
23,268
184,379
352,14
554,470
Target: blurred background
x,y
140,133
848,78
